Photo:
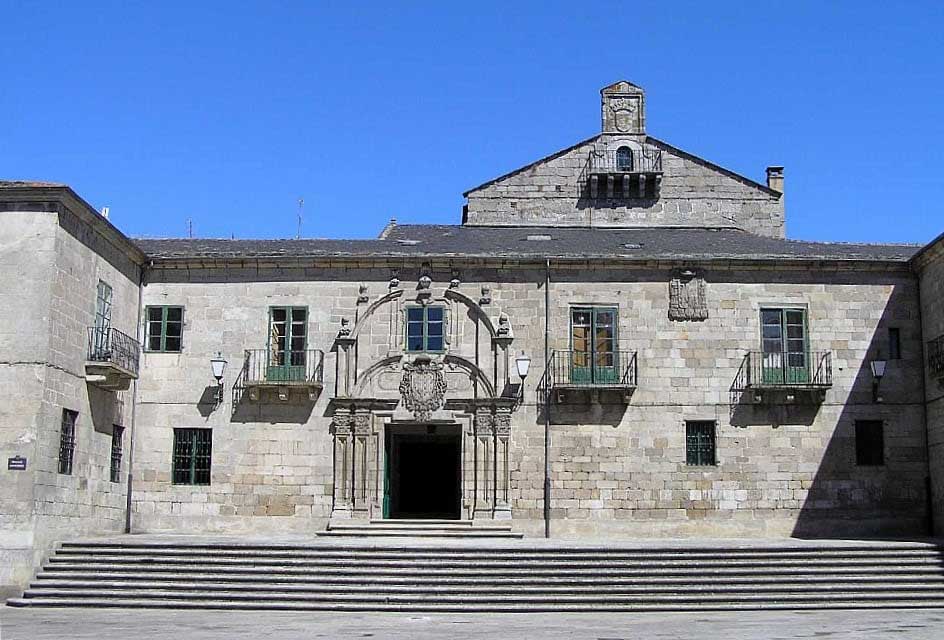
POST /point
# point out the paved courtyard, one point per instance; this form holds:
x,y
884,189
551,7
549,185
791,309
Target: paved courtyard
x,y
80,624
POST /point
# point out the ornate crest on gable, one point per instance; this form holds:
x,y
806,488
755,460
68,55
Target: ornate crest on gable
x,y
423,387
624,114
688,298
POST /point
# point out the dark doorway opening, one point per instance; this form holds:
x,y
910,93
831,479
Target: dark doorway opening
x,y
423,473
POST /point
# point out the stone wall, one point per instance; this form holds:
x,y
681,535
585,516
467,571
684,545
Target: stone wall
x,y
931,269
694,193
617,469
51,263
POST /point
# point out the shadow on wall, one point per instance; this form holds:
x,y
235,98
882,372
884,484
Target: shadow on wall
x,y
889,499
581,409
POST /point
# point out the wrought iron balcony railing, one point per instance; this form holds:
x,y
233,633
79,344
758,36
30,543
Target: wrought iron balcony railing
x,y
267,367
109,346
625,160
789,369
936,356
582,369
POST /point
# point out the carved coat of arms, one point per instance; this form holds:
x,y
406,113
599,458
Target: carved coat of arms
x,y
423,387
624,114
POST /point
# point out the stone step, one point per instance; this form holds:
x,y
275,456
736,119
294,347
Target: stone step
x,y
254,574
461,597
486,589
386,525
371,532
407,560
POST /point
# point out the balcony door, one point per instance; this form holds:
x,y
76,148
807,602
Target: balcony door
x,y
786,356
103,303
594,354
287,342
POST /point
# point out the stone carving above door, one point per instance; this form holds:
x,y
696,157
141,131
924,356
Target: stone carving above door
x,y
423,387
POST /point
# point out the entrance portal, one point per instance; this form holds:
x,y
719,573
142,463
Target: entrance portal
x,y
423,472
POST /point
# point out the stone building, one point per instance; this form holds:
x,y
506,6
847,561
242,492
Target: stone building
x,y
697,373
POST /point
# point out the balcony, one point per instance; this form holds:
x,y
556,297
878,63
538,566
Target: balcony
x,y
785,373
570,372
624,173
113,359
281,372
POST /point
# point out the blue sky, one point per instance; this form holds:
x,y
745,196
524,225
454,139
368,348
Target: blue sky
x,y
228,112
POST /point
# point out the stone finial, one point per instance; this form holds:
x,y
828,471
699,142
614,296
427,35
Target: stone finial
x,y
345,329
775,178
624,108
395,279
455,282
486,295
504,325
362,297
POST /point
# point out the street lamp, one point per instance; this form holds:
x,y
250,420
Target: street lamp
x,y
523,363
218,365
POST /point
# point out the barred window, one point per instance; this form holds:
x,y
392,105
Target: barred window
x,y
870,443
117,434
700,443
67,441
936,356
193,449
164,328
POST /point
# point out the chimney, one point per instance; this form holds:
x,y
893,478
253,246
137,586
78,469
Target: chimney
x,y
775,178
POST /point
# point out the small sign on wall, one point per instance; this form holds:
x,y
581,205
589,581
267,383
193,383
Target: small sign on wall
x,y
16,463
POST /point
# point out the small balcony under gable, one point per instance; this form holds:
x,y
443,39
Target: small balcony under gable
x,y
113,359
573,374
624,172
785,374
281,372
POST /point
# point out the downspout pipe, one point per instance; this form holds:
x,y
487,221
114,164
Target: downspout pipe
x,y
547,399
134,399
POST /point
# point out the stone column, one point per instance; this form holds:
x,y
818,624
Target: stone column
x,y
363,450
502,469
341,429
484,464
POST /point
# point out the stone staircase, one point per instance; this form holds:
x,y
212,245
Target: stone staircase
x,y
486,576
421,529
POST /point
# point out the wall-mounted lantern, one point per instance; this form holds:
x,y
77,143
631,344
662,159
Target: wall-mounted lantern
x,y
523,365
878,372
218,364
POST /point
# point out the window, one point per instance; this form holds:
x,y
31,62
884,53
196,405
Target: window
x,y
593,343
288,336
624,159
164,328
936,356
425,328
894,343
193,450
786,357
103,302
117,433
700,443
870,443
67,441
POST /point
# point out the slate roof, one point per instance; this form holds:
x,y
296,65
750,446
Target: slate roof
x,y
416,241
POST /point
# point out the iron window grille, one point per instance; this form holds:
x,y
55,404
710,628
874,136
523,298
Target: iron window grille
x,y
67,441
936,356
425,329
870,443
165,326
117,435
193,449
894,343
700,443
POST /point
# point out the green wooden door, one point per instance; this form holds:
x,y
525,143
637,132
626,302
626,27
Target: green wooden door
x,y
287,342
594,356
786,356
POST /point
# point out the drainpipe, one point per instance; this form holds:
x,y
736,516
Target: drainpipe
x,y
547,399
134,401
928,484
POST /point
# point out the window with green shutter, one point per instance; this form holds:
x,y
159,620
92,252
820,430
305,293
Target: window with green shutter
x,y
165,327
700,443
193,450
